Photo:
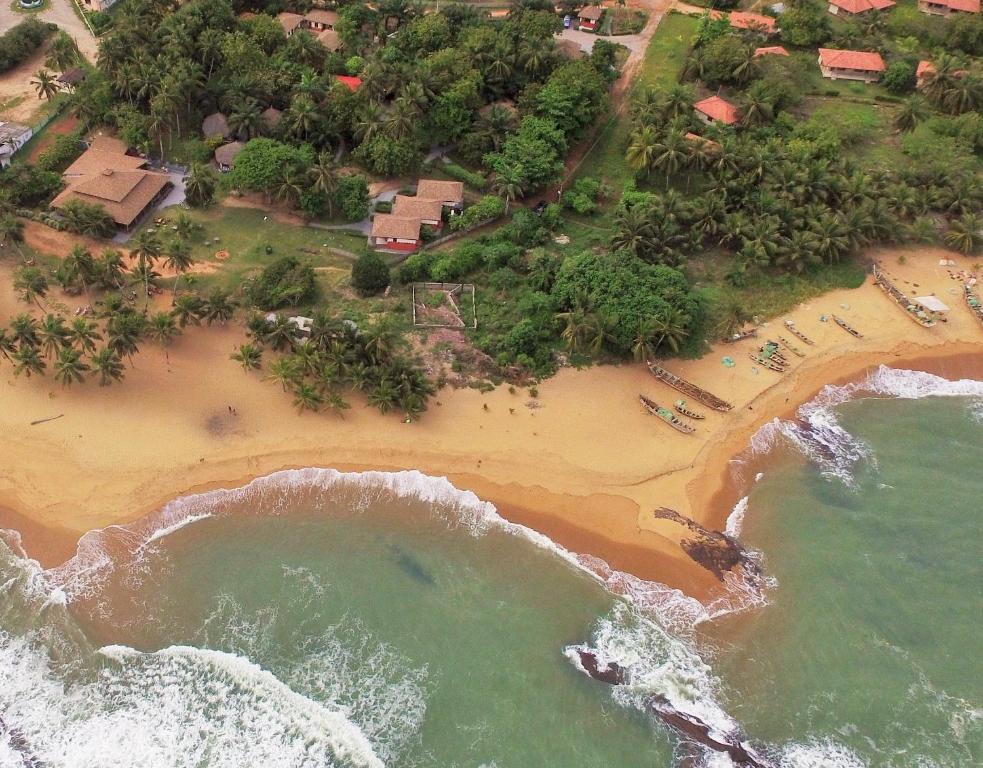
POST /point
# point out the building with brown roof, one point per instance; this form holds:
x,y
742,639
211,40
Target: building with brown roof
x,y
589,17
851,65
225,156
428,211
103,152
72,77
319,19
395,233
330,40
125,192
716,110
770,50
271,117
570,49
216,124
449,193
290,22
947,7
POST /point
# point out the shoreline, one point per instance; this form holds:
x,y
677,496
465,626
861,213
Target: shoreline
x,y
582,465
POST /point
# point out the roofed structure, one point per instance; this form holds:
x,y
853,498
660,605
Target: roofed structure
x,y
216,124
271,117
754,21
72,77
697,139
716,110
770,50
850,65
588,16
428,211
13,136
570,49
947,7
319,18
854,7
449,193
330,40
226,154
398,233
289,21
351,83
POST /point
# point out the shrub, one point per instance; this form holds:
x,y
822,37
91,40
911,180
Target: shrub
x,y
87,219
582,196
900,76
284,283
352,197
488,208
460,173
19,43
383,206
28,186
416,268
62,153
370,273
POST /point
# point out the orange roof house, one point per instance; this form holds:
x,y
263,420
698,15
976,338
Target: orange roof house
x,y
854,7
771,50
588,17
351,83
851,65
716,110
395,233
947,7
114,180
743,20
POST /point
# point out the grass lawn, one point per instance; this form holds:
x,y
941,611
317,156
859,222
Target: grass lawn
x,y
245,234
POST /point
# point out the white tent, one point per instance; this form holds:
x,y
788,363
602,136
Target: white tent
x,y
931,303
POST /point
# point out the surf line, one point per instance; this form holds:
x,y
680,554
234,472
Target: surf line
x,y
690,727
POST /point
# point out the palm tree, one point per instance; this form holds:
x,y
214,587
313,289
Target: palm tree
x,y
964,94
324,179
368,123
645,343
200,185
27,360
83,335
45,84
31,284
289,188
965,234
831,237
69,368
509,186
280,334
307,397
756,110
11,231
106,364
672,328
634,230
53,334
914,110
577,328
124,332
336,403
163,329
302,119
286,371
384,396
177,256
79,265
744,70
670,153
249,356
147,248
188,309
219,307
246,119
403,119
24,330
495,125
110,269
642,146
63,53
8,345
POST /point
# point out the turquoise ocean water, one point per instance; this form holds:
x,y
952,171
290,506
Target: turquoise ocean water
x,y
321,619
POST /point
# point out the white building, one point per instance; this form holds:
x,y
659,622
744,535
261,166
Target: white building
x,y
13,136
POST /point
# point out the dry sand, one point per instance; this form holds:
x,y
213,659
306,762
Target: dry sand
x,y
583,464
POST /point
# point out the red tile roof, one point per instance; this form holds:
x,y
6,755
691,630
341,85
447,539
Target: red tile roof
x,y
697,139
352,83
771,50
717,109
865,61
966,6
744,20
402,227
924,67
862,6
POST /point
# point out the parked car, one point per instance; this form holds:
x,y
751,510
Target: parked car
x,y
567,21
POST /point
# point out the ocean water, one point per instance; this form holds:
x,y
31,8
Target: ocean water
x,y
315,618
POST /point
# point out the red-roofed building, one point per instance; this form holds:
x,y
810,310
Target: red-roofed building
x,y
851,65
709,144
351,83
755,22
946,7
924,68
854,7
716,110
771,50
589,17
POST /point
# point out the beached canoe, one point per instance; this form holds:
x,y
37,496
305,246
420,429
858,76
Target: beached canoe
x,y
688,389
681,407
666,415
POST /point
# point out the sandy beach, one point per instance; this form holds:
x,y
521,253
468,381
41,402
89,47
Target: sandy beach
x,y
581,463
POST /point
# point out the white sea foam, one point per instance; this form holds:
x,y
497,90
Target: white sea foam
x,y
735,520
819,754
177,707
168,530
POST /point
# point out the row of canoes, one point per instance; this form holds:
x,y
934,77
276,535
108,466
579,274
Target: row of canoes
x,y
688,389
910,308
973,301
666,415
770,356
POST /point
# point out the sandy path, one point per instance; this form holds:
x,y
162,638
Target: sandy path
x,y
586,468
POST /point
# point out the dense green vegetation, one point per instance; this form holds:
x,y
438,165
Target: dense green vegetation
x,y
20,42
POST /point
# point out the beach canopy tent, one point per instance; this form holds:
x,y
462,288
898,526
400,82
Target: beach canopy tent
x,y
931,303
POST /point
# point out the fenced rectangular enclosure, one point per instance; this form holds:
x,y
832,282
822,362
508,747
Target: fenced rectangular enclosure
x,y
444,305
